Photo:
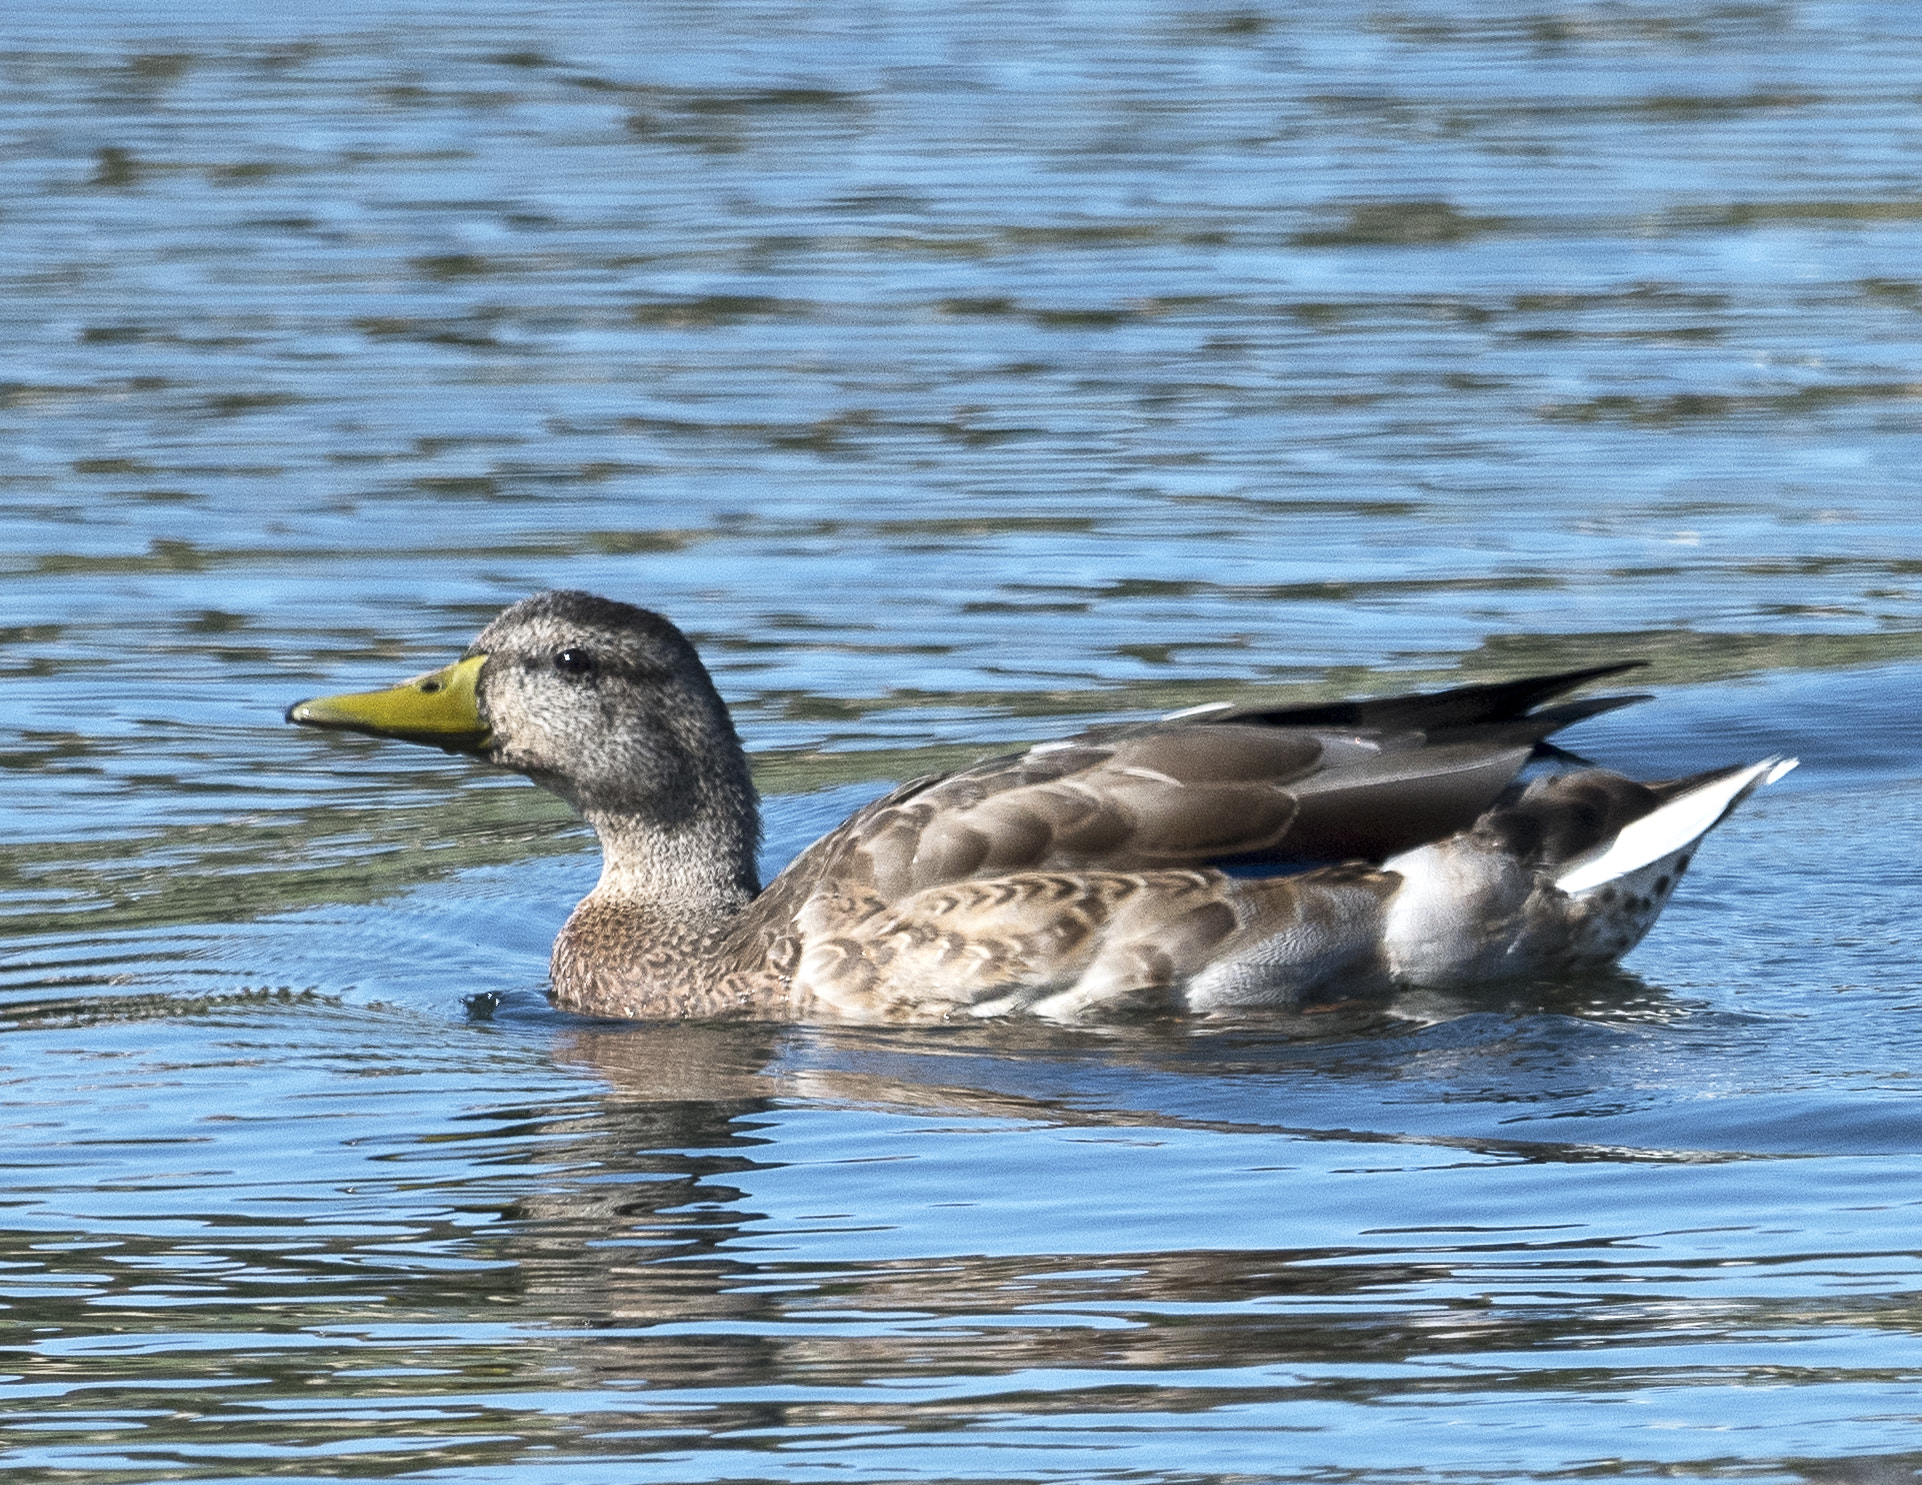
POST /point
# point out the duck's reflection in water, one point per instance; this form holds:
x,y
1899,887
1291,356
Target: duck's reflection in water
x,y
650,1241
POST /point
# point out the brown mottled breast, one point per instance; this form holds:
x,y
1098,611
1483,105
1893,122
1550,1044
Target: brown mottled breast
x,y
618,959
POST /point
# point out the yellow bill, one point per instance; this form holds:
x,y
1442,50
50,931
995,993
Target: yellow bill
x,y
439,708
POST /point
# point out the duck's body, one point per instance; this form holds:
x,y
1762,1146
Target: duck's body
x,y
1213,860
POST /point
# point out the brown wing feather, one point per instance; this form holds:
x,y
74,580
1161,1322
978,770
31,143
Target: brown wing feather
x,y
1354,781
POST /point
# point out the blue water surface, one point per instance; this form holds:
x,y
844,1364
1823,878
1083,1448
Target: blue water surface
x,y
955,377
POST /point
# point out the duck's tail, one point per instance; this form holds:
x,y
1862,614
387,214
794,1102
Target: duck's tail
x,y
1570,875
1696,807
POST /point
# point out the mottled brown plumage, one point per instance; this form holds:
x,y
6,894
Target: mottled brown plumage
x,y
1214,859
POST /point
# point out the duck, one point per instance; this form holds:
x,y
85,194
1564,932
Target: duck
x,y
1218,860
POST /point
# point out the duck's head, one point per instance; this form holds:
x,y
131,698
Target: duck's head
x,y
604,703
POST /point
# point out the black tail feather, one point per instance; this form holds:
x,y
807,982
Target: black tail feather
x,y
1464,706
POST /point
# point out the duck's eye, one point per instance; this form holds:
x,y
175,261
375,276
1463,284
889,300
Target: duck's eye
x,y
575,662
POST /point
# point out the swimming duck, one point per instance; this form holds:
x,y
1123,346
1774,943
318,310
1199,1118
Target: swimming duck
x,y
1216,859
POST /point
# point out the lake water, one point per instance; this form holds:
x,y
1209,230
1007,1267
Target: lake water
x,y
955,377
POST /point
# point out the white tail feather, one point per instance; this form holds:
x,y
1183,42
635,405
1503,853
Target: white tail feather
x,y
1668,829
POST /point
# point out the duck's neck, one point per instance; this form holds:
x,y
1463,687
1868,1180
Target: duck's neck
x,y
653,939
696,875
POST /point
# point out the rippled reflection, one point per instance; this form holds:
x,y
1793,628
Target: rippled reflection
x,y
748,1251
